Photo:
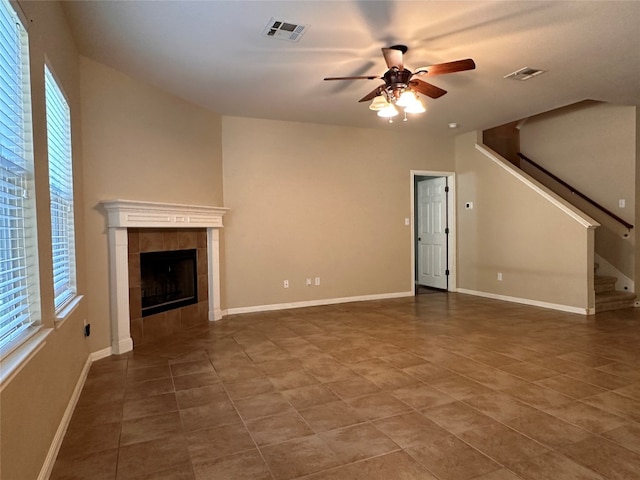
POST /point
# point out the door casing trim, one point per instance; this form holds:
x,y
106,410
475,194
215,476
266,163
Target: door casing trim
x,y
451,222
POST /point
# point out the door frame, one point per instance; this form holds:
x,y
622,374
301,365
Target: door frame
x,y
451,222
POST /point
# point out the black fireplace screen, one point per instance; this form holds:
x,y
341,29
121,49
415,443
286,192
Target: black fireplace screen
x,y
169,280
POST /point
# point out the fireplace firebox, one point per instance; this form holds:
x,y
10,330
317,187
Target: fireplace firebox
x,y
169,280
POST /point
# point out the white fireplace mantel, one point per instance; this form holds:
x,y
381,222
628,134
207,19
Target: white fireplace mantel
x,y
123,214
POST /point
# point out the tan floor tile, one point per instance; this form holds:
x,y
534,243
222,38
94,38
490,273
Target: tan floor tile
x,y
451,459
153,456
502,444
500,406
453,356
502,474
601,379
278,366
403,360
309,396
616,404
421,395
242,466
81,442
631,391
547,429
411,429
96,466
278,428
457,417
627,435
588,417
552,466
494,378
299,457
148,373
605,457
355,386
149,388
529,371
585,359
210,444
331,415
428,372
190,368
384,467
378,405
195,397
570,387
263,405
291,379
150,428
460,387
209,415
145,407
539,397
358,442
249,388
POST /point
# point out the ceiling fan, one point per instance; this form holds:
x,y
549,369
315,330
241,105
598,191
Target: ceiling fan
x,y
399,80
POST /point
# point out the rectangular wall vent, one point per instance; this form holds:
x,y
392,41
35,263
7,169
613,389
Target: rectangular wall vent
x,y
525,74
282,30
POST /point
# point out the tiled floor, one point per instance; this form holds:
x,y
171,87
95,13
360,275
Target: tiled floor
x,y
440,386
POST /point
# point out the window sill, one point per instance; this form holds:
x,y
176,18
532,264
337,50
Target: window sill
x,y
67,310
18,358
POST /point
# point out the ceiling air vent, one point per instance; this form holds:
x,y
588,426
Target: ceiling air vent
x,y
282,30
525,74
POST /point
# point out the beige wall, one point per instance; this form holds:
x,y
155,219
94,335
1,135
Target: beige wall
x,y
543,254
319,201
139,143
592,146
33,403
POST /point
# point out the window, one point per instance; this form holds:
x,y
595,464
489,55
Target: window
x,y
19,296
61,192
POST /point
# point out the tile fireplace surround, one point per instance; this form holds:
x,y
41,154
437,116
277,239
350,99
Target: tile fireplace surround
x,y
124,214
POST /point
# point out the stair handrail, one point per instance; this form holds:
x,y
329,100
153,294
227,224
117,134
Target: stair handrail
x,y
577,192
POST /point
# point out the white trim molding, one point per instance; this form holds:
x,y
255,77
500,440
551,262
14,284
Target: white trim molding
x,y
123,214
528,301
316,303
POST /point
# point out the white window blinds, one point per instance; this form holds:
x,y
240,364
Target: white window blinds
x,y
61,192
18,257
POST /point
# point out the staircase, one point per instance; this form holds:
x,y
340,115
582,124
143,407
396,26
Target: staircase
x,y
608,298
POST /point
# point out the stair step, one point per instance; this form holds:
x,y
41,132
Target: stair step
x,y
603,283
614,300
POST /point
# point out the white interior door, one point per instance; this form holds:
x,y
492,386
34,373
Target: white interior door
x,y
432,237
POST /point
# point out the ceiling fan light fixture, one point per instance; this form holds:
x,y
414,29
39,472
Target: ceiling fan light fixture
x,y
415,107
388,112
378,103
408,97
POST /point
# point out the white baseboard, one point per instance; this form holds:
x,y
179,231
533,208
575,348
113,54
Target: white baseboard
x,y
100,354
315,303
50,460
526,301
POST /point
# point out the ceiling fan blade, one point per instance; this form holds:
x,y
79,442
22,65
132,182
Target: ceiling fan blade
x,y
393,57
448,67
372,94
426,88
365,77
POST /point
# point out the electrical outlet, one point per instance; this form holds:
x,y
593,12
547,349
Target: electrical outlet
x,y
286,284
308,282
317,281
500,276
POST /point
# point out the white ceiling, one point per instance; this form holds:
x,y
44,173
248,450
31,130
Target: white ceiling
x,y
214,54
